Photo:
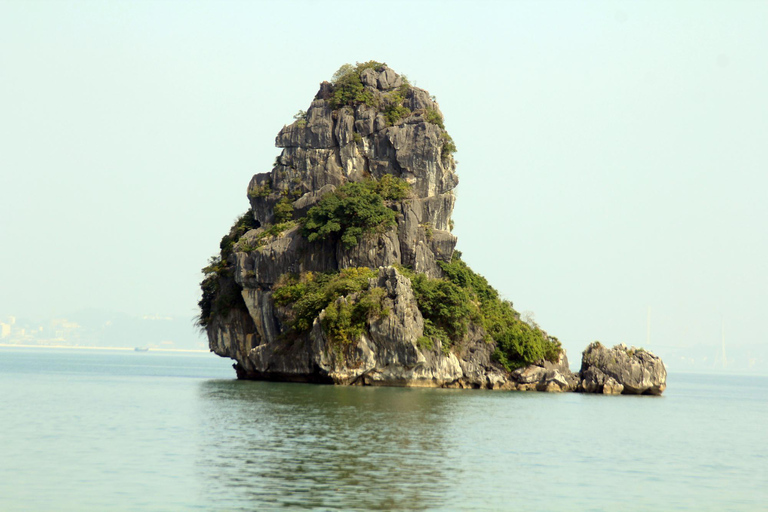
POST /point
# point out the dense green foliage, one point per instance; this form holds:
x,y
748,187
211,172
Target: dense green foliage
x,y
446,307
243,224
394,110
283,210
309,293
220,296
347,214
434,117
348,89
210,288
518,343
449,305
345,320
449,147
354,209
220,292
262,190
390,188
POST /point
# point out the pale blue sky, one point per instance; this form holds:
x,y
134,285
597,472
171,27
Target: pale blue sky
x,y
612,155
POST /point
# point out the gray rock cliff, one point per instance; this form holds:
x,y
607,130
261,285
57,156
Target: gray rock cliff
x,y
372,293
621,370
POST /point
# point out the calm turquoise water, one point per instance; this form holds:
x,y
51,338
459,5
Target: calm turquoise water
x,y
95,431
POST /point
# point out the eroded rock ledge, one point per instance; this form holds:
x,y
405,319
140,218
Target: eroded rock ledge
x,y
344,271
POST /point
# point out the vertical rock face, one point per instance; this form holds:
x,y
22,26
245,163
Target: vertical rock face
x,y
336,300
621,370
323,149
329,147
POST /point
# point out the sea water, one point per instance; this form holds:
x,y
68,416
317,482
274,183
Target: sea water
x,y
121,431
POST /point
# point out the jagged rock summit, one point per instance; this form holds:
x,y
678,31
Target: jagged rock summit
x,y
344,268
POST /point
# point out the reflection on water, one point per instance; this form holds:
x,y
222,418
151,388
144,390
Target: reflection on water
x,y
318,447
266,446
126,432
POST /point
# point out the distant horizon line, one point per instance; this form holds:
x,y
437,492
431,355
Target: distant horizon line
x,y
83,347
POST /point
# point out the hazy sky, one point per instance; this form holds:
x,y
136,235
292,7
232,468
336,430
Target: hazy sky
x,y
612,155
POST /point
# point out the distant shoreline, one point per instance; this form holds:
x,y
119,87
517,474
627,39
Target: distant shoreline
x,y
130,349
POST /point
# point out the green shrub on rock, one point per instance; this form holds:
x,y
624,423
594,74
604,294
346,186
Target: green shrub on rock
x,y
390,188
301,120
307,294
517,343
446,307
220,292
353,210
243,224
462,297
262,190
449,147
283,210
348,89
210,287
434,117
394,110
346,318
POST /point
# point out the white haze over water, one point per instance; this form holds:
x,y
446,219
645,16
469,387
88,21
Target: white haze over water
x,y
612,155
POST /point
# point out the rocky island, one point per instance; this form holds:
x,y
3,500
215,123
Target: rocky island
x,y
344,269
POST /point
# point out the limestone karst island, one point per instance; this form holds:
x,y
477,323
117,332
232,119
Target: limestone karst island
x,y
344,269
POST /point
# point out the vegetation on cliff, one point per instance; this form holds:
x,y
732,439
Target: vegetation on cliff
x,y
517,342
346,297
448,306
268,234
220,292
353,210
339,149
348,88
463,297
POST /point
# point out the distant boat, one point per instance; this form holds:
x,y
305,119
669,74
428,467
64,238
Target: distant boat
x,y
141,349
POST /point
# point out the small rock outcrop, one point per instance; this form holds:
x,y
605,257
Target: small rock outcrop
x,y
344,269
621,370
546,376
